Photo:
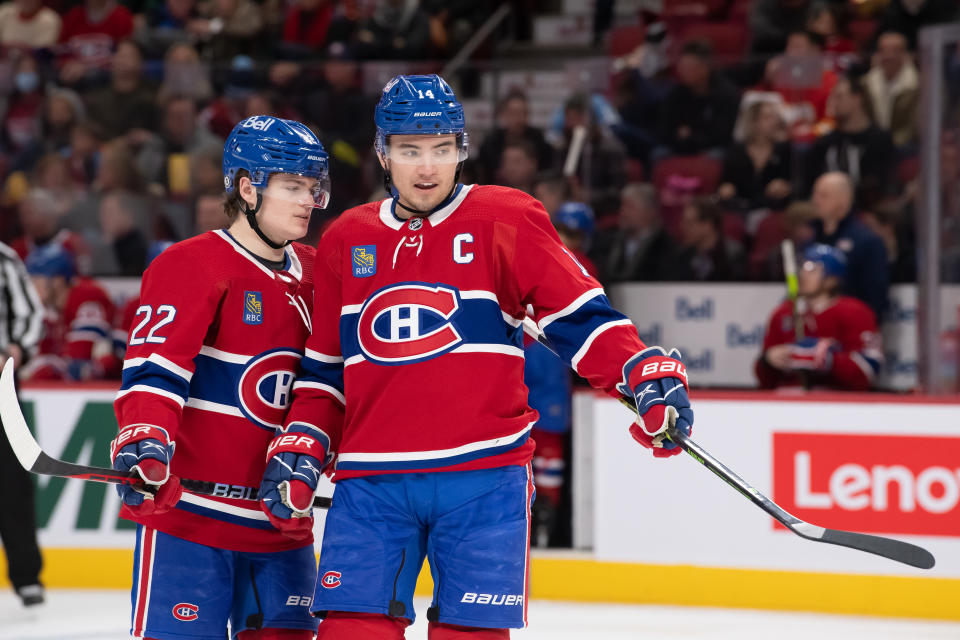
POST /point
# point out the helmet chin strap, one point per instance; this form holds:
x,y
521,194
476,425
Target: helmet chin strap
x,y
392,190
251,216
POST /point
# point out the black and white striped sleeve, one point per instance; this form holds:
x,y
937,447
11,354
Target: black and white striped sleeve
x,y
21,312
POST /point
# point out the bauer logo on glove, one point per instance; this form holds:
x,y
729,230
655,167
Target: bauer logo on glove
x,y
657,382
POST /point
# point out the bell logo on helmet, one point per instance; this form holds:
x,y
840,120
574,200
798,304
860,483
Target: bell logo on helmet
x,y
258,124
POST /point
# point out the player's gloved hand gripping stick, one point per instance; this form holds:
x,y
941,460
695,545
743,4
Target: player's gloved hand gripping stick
x,y
678,433
33,458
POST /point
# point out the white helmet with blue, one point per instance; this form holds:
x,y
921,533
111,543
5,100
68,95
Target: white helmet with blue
x,y
265,145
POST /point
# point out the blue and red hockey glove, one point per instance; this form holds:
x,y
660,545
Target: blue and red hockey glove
x,y
294,465
813,354
146,449
657,381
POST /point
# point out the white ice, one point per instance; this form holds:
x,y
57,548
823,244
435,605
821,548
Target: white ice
x,y
104,615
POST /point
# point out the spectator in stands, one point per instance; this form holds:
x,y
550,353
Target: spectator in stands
x,y
89,36
601,166
574,223
239,80
206,170
52,174
887,220
126,245
772,20
757,172
552,190
28,24
804,77
707,255
453,22
185,75
908,16
164,160
397,30
836,225
77,344
893,84
698,114
639,248
766,252
305,28
164,24
518,166
40,219
127,107
857,146
208,212
228,28
63,109
837,345
513,124
83,155
22,122
824,19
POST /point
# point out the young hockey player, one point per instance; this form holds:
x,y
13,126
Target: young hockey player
x,y
211,357
413,376
838,345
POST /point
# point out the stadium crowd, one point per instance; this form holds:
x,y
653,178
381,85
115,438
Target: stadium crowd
x,y
727,126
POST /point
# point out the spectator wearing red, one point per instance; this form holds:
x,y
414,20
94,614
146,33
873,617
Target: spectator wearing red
x,y
22,124
28,24
89,36
824,19
306,25
804,76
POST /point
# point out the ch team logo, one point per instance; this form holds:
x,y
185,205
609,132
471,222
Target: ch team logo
x,y
409,322
264,389
331,579
185,611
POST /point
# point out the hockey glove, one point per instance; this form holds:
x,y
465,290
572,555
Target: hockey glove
x,y
657,381
290,479
146,449
813,354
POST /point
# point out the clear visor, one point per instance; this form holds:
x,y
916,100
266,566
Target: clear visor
x,y
424,152
301,190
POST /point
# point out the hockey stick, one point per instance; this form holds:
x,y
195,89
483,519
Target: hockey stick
x,y
33,458
887,547
793,294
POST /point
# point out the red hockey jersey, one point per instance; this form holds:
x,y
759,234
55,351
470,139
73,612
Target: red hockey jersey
x,y
849,322
416,360
211,356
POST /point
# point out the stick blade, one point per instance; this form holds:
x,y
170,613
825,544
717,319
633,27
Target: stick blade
x,y
24,446
897,550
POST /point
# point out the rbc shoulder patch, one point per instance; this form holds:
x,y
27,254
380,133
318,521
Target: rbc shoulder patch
x,y
364,260
252,307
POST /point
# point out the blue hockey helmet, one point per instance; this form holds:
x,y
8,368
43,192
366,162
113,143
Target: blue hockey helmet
x,y
834,261
51,260
265,145
419,105
575,216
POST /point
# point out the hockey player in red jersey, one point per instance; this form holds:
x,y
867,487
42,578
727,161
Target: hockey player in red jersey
x,y
413,376
837,345
211,358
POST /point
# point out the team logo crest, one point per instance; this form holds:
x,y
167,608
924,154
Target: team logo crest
x,y
364,260
185,611
409,322
252,307
265,387
331,579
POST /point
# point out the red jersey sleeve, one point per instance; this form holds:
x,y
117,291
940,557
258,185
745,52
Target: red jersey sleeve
x,y
857,363
569,305
178,307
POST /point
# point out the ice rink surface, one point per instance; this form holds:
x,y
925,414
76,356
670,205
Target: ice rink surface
x,y
104,615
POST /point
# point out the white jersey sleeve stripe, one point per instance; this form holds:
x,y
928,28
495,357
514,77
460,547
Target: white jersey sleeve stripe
x,y
305,384
322,357
582,352
570,308
143,388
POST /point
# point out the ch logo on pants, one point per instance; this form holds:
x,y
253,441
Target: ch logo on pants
x,y
185,611
331,579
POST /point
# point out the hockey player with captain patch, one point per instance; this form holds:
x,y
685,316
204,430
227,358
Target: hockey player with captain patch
x,y
212,355
413,379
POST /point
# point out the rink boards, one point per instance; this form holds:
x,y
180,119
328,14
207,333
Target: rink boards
x,y
658,531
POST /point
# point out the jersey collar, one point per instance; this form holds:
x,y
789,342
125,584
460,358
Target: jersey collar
x,y
292,266
389,217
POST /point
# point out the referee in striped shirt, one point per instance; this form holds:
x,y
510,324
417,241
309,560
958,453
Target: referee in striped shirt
x,y
21,327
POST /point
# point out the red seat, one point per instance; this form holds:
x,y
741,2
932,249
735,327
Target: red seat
x,y
624,40
727,39
704,167
862,31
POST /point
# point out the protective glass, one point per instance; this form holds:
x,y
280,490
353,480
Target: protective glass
x,y
299,189
424,151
